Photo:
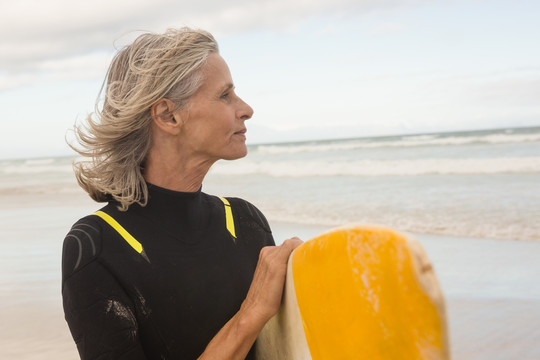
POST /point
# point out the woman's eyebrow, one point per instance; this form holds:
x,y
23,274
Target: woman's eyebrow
x,y
228,86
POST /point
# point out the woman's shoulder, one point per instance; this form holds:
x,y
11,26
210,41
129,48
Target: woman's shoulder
x,y
82,245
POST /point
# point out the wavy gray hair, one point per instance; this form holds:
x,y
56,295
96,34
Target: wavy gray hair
x,y
116,139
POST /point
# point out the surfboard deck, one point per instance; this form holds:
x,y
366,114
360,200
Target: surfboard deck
x,y
359,292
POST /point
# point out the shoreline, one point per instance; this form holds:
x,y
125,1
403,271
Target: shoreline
x,y
72,197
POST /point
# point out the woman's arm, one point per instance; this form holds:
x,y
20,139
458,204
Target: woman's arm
x,y
262,302
101,316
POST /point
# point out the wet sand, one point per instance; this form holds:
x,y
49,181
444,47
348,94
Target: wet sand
x,y
494,329
480,329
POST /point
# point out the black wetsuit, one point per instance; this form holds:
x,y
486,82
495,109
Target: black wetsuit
x,y
170,301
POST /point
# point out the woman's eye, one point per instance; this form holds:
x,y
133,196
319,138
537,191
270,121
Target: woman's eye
x,y
225,96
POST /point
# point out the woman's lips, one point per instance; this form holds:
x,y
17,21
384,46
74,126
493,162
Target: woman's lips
x,y
241,132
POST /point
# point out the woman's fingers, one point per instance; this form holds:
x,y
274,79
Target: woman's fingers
x,y
265,292
290,244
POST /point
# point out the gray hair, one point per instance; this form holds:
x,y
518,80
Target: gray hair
x,y
116,139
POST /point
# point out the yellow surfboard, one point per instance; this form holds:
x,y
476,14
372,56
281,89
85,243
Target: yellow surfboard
x,y
358,293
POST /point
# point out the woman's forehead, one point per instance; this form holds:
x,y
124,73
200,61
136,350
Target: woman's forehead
x,y
216,73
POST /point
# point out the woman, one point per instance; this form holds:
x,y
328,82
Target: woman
x,y
165,271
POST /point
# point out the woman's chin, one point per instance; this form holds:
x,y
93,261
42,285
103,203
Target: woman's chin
x,y
237,154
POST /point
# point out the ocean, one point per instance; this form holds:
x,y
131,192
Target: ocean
x,y
483,184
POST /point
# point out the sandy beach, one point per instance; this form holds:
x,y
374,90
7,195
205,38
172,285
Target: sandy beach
x,y
480,329
491,287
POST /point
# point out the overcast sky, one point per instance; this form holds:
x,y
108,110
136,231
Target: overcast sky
x,y
311,69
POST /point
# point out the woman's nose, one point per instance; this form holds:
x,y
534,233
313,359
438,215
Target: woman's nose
x,y
245,112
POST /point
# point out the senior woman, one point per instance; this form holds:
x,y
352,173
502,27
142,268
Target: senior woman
x,y
165,271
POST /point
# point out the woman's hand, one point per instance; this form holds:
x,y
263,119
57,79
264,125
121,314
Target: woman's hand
x,y
264,296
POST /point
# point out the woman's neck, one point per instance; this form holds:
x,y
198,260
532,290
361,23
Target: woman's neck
x,y
174,172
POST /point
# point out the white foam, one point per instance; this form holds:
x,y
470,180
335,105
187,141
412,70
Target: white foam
x,y
396,142
307,148
502,165
38,162
440,223
33,169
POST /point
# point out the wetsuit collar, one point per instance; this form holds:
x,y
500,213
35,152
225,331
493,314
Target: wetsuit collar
x,y
158,191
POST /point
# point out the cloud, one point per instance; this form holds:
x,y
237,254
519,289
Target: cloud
x,y
388,28
516,92
35,33
485,99
505,87
72,68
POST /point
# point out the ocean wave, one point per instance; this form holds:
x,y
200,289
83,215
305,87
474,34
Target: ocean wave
x,y
437,225
38,162
398,142
25,168
506,138
480,219
306,148
506,165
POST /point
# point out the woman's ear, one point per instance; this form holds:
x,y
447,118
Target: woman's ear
x,y
165,117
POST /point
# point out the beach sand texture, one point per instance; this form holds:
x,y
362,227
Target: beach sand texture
x,y
491,286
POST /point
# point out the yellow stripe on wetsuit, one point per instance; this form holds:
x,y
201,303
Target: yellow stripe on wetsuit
x,y
137,246
229,217
116,226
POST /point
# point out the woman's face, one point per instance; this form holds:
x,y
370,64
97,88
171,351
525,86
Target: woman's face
x,y
213,122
